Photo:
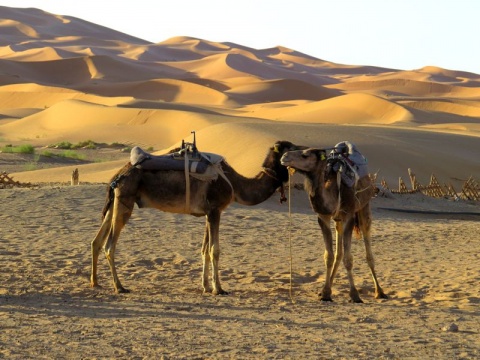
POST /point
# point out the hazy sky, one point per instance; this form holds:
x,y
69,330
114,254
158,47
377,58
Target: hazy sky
x,y
405,34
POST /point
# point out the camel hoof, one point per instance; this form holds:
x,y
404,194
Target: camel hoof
x,y
357,301
122,290
381,296
219,292
325,298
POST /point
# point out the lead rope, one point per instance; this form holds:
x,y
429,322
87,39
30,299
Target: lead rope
x,y
187,184
291,171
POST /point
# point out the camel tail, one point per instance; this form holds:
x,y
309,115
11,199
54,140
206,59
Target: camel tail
x,y
356,227
108,201
122,173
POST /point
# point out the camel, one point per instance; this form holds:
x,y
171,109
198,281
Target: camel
x,y
166,191
349,207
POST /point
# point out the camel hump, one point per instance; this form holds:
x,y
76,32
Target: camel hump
x,y
213,158
146,161
346,157
138,155
351,152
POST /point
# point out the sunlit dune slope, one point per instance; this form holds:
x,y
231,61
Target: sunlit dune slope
x,y
77,120
354,108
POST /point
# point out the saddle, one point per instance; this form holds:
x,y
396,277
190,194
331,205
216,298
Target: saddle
x,y
346,160
202,166
197,162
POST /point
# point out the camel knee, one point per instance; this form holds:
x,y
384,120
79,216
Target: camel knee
x,y
95,248
371,262
214,252
206,255
109,253
348,262
101,236
329,259
369,253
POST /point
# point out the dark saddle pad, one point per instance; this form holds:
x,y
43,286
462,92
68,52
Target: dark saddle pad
x,y
174,161
346,159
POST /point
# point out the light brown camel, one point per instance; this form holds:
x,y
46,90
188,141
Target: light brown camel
x,y
165,190
349,207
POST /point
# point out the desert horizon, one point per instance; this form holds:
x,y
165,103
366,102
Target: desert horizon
x,y
66,80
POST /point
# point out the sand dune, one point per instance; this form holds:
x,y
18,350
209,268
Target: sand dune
x,y
94,83
170,90
280,90
346,109
463,108
407,87
79,120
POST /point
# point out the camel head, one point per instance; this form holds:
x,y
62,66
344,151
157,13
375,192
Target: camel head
x,y
272,161
305,161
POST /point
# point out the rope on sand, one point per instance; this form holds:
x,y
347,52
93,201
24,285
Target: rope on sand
x,y
291,171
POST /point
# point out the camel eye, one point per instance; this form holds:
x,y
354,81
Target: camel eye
x,y
304,155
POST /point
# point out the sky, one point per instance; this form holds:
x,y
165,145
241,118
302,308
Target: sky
x,y
405,35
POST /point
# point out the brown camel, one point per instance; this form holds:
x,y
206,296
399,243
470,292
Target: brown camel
x,y
166,191
349,207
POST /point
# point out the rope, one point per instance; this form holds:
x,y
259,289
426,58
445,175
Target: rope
x,y
187,184
291,171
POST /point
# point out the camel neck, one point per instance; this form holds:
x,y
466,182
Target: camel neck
x,y
253,191
322,201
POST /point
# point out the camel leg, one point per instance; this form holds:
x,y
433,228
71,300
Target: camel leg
x,y
348,260
121,213
97,244
213,219
365,222
324,222
338,248
206,260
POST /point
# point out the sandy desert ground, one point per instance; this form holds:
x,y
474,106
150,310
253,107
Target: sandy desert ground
x,y
63,79
428,265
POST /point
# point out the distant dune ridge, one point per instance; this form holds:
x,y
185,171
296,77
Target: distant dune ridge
x,y
65,79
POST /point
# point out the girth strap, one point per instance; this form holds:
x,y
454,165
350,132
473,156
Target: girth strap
x,y
339,200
